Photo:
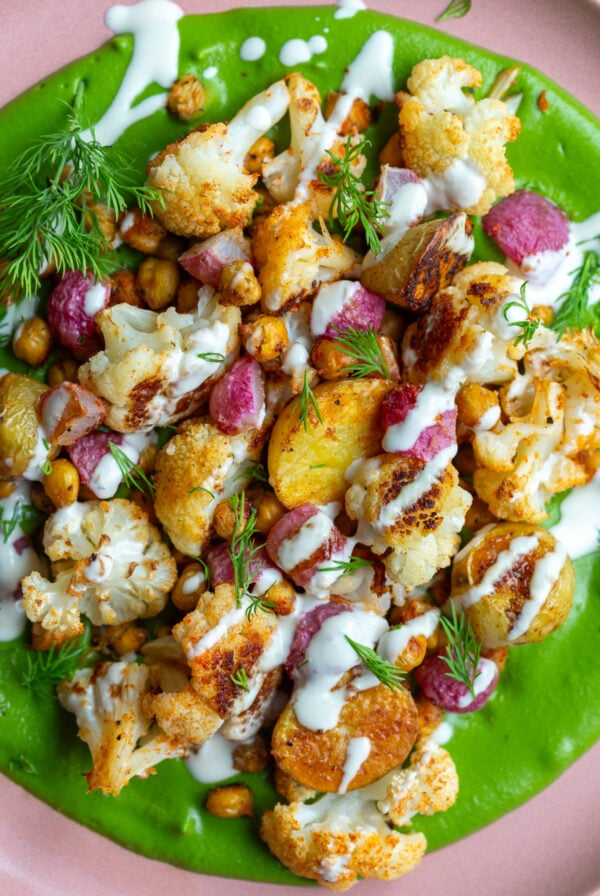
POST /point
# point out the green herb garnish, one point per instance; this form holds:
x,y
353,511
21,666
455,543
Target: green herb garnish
x,y
46,205
305,401
351,203
240,678
388,674
133,475
364,347
456,9
47,668
201,488
528,326
346,567
575,312
242,551
253,470
213,357
463,649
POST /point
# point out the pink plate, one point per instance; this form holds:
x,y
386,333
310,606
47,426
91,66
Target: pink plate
x,y
550,846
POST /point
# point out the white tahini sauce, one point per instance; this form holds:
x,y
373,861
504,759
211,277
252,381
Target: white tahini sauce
x,y
107,477
357,752
252,49
486,672
153,24
579,522
346,9
504,562
395,641
17,559
545,576
434,399
414,490
295,51
213,761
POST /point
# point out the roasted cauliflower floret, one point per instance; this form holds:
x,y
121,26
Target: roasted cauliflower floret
x,y
416,508
342,837
196,469
112,568
107,703
454,141
158,367
202,178
465,337
293,259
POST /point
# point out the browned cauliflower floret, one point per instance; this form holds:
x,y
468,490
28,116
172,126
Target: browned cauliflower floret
x,y
202,178
416,508
108,704
465,336
159,367
453,141
113,568
552,433
340,838
293,259
196,469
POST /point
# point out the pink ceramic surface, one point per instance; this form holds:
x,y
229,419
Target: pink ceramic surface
x,y
550,846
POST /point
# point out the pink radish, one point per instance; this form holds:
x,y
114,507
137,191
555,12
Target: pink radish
x,y
237,400
69,411
344,305
205,261
73,306
422,436
525,224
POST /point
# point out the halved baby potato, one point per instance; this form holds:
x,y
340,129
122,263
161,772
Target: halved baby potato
x,y
308,464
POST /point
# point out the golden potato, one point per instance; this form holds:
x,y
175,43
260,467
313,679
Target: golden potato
x,y
515,584
19,422
316,759
308,464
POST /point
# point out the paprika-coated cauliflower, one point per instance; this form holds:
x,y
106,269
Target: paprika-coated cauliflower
x,y
418,509
112,568
204,184
199,467
293,259
107,703
157,368
454,141
465,337
339,838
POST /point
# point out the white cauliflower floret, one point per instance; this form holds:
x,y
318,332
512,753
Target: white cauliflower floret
x,y
417,509
199,467
202,178
107,703
339,838
552,433
285,175
454,141
293,259
465,336
113,568
159,367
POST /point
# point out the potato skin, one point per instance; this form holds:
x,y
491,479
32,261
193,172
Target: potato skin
x,y
19,422
493,616
308,465
316,759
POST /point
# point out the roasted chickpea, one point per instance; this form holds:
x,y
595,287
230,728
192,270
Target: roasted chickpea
x,y
477,406
281,598
157,281
238,284
224,519
269,509
430,716
515,583
188,587
230,801
62,371
251,756
330,360
265,338
125,638
61,484
7,487
186,98
142,232
171,247
187,296
123,288
263,149
32,341
358,119
104,217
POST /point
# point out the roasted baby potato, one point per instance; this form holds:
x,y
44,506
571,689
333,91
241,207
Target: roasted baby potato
x,y
19,422
307,464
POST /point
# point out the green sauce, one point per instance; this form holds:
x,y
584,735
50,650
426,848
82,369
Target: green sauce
x,y
544,713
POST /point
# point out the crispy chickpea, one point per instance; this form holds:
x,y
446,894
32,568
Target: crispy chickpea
x,y
142,232
62,482
269,509
544,313
476,405
171,247
281,598
188,587
251,756
106,219
123,288
125,638
265,338
187,296
389,353
7,487
32,341
45,639
430,716
230,801
40,499
157,281
224,519
358,119
186,98
391,154
238,284
62,371
263,149
329,359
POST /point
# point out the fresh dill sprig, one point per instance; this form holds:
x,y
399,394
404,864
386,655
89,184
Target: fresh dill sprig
x,y
528,326
242,552
201,488
47,205
364,347
463,649
213,357
253,470
240,678
47,668
346,567
388,674
25,516
575,312
305,401
351,204
132,473
456,9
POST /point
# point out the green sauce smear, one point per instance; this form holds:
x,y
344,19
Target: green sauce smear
x,y
544,713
